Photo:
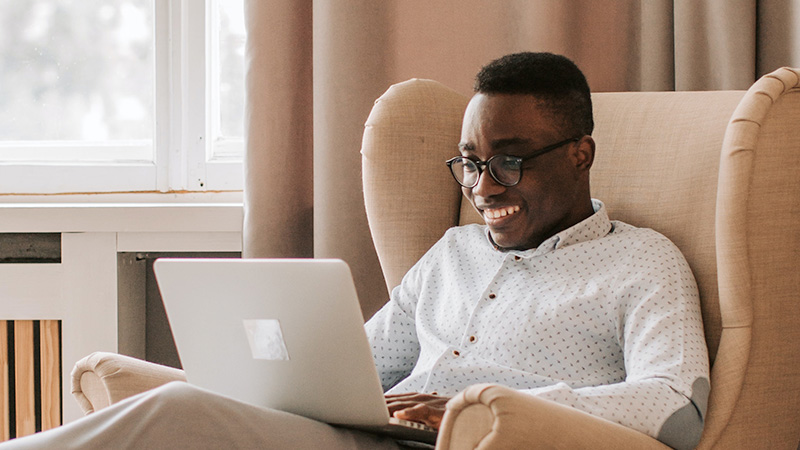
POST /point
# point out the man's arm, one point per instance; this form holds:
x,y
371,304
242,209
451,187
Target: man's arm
x,y
395,347
666,386
631,402
393,337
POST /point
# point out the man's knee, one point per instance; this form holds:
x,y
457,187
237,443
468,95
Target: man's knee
x,y
175,395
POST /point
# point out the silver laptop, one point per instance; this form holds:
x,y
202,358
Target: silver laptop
x,y
286,334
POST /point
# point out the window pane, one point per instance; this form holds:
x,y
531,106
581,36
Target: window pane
x,y
77,71
231,69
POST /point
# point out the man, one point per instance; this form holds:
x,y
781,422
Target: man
x,y
549,297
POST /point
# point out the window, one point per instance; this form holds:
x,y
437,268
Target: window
x,y
121,95
227,80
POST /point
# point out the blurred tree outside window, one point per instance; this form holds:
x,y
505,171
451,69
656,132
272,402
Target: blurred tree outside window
x,y
77,71
228,66
78,79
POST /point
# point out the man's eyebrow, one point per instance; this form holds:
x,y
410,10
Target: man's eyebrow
x,y
496,144
466,147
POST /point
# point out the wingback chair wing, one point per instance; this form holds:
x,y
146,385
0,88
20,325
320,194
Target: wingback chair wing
x,y
716,172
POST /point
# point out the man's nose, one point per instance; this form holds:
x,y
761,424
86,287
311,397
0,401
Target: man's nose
x,y
487,186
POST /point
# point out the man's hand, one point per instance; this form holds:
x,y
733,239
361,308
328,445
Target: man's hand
x,y
424,408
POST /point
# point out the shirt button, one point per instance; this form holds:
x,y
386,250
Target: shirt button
x,y
456,353
473,339
492,296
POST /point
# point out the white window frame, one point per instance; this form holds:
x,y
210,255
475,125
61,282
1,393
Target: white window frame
x,y
183,159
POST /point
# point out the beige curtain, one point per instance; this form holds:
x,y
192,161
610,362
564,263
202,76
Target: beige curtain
x,y
314,69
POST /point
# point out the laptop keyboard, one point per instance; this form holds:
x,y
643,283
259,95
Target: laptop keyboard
x,y
410,424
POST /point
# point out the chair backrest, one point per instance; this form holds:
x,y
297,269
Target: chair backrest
x,y
716,172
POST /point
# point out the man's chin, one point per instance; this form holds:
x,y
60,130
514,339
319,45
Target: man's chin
x,y
504,241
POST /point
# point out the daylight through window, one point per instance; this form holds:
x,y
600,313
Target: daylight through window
x,y
121,95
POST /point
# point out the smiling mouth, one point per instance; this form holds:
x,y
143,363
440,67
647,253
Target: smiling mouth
x,y
498,213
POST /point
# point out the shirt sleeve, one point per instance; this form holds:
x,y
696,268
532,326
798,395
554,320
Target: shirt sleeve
x,y
392,331
660,330
392,334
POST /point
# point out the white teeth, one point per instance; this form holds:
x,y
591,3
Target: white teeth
x,y
500,212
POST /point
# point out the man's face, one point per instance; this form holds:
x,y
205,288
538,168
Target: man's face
x,y
553,193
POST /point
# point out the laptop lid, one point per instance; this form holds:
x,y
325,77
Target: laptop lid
x,y
286,334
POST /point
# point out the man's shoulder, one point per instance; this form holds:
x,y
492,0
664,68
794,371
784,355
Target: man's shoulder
x,y
638,238
628,231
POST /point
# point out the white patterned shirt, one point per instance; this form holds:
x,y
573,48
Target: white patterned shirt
x,y
603,317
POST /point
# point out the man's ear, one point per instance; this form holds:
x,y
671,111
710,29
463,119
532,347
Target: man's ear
x,y
583,153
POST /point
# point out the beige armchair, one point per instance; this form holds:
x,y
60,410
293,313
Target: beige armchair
x,y
717,172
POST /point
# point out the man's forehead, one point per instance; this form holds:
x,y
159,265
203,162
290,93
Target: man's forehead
x,y
504,100
506,120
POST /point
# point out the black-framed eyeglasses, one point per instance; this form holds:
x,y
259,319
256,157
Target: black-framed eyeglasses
x,y
504,169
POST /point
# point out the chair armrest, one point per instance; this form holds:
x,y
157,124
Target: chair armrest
x,y
496,417
102,379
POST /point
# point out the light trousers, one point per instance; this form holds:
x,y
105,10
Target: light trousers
x,y
178,415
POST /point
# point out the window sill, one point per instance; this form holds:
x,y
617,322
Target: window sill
x,y
134,212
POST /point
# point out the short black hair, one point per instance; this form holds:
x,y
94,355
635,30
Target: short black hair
x,y
552,79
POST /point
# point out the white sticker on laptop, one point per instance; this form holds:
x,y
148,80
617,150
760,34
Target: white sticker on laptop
x,y
266,339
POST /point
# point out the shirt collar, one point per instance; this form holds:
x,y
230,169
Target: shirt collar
x,y
593,227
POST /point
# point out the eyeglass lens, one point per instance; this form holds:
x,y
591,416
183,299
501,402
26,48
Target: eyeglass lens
x,y
504,169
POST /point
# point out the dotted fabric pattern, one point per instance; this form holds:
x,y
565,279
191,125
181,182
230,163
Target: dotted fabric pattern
x,y
603,317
